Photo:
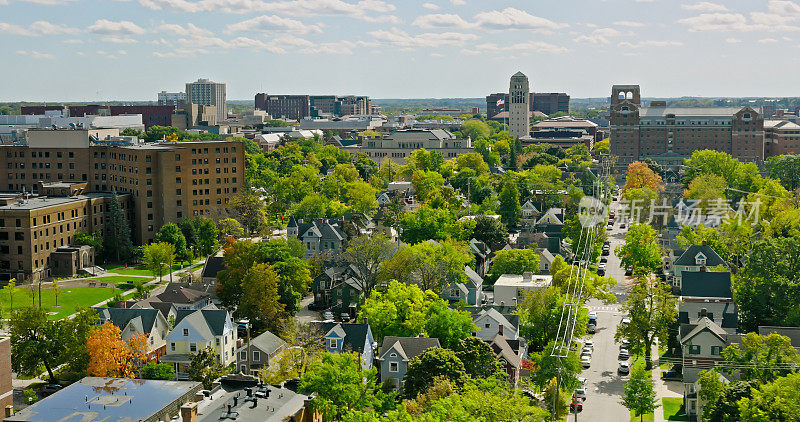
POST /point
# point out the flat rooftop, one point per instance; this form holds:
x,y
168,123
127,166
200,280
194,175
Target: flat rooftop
x,y
281,404
108,400
516,280
39,202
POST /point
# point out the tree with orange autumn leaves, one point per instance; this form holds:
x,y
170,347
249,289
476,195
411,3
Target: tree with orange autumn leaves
x,y
111,356
641,176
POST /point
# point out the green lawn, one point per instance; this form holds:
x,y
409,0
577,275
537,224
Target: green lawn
x,y
141,269
673,409
645,418
121,279
67,300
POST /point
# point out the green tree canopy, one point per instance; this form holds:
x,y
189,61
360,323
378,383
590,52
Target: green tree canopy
x,y
432,363
640,397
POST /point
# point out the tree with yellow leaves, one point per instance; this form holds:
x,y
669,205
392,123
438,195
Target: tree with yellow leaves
x,y
640,175
111,356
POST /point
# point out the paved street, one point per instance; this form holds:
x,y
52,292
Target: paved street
x,y
604,387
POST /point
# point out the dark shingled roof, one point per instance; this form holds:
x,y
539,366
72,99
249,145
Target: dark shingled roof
x,y
121,316
706,284
215,318
355,335
792,332
183,295
412,346
712,258
214,264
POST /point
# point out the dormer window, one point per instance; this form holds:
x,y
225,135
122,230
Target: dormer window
x,y
700,259
186,332
333,344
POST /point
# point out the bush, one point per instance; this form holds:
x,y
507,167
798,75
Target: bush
x,y
158,371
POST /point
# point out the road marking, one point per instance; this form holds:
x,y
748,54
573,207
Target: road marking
x,y
604,308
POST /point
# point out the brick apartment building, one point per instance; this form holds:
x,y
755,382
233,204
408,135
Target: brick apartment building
x,y
166,181
36,232
670,134
152,115
781,137
543,102
297,107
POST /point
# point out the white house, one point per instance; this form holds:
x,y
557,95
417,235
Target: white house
x,y
509,288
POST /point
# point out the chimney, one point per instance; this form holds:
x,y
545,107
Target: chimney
x,y
703,312
527,276
189,412
705,243
500,329
9,411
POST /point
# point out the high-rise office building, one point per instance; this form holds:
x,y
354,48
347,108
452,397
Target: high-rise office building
x,y
519,94
205,92
669,134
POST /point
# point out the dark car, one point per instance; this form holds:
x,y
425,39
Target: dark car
x,y
345,317
49,389
603,259
628,270
591,328
675,373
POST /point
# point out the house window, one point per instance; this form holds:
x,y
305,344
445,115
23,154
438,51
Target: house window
x,y
393,366
487,325
332,344
694,350
716,350
186,332
193,347
243,355
216,340
172,346
256,356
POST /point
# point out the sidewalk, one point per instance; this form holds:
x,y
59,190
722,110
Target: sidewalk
x,y
661,387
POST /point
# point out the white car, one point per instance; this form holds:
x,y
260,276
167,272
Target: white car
x,y
593,314
626,320
589,344
586,361
624,368
586,351
582,381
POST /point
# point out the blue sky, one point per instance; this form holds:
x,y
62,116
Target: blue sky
x,y
83,50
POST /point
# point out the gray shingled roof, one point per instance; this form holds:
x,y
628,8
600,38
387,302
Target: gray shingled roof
x,y
410,347
687,258
706,284
214,318
266,342
355,335
122,316
214,264
183,295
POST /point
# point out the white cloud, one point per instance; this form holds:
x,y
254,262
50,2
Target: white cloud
x,y
767,40
273,23
732,40
468,52
36,29
401,38
35,54
107,27
189,30
122,52
367,10
759,21
511,18
72,41
598,36
441,20
530,46
118,40
783,7
630,24
431,6
705,6
651,43
458,2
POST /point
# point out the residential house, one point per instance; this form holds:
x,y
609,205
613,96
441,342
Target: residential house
x,y
483,256
262,348
529,210
134,322
356,338
183,297
319,236
337,290
551,222
702,342
397,352
510,353
194,331
469,292
696,258
708,293
213,265
168,310
546,259
490,322
509,289
793,333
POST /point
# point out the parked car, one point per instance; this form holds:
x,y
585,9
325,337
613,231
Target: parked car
x,y
606,250
49,389
629,270
601,271
624,354
586,361
591,328
586,351
327,316
345,317
577,404
580,393
592,315
624,368
625,320
582,381
622,225
674,373
626,344
603,258
589,344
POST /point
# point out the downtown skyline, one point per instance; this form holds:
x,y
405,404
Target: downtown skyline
x,y
92,50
